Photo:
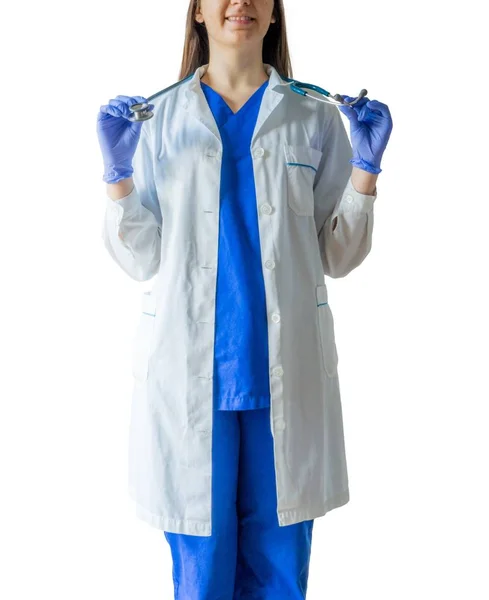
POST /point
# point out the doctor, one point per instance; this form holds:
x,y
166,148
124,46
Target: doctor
x,y
239,195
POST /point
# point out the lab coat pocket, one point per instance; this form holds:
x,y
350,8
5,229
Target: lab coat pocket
x,y
301,163
326,331
144,336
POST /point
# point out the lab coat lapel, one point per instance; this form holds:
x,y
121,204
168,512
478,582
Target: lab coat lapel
x,y
195,102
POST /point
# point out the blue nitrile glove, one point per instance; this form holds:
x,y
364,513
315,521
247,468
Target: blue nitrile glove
x,y
118,137
370,129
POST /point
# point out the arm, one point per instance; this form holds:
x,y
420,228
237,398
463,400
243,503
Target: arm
x,y
364,182
131,228
343,212
116,191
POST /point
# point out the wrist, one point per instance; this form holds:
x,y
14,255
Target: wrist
x,y
364,182
366,166
113,173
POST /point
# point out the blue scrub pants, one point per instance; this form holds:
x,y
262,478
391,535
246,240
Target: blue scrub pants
x,y
248,556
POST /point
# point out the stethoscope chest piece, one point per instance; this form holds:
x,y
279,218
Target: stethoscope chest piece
x,y
141,112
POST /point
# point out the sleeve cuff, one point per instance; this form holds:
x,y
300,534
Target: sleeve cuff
x,y
353,201
127,203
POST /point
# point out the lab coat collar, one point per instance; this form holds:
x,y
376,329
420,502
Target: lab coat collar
x,y
274,77
196,103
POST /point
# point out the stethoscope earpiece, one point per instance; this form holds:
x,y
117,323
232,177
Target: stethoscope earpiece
x,y
361,95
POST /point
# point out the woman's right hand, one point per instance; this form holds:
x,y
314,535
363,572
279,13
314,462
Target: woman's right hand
x,y
118,137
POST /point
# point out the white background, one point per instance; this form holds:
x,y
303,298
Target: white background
x,y
411,321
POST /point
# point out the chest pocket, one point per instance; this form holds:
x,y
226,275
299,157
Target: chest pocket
x,y
144,336
301,164
326,331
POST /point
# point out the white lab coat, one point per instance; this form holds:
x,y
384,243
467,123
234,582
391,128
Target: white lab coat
x,y
168,227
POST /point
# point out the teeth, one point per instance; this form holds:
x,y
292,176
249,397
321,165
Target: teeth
x,y
239,19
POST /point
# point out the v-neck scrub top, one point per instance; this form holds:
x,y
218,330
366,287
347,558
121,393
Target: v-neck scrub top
x,y
241,361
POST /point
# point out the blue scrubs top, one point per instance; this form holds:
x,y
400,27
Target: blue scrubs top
x,y
241,371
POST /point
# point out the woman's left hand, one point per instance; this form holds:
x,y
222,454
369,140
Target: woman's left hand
x,y
370,129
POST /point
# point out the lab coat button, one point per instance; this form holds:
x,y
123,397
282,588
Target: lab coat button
x,y
278,371
349,198
266,209
259,152
275,317
270,264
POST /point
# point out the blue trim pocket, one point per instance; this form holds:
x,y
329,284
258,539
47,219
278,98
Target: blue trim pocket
x,y
326,331
301,163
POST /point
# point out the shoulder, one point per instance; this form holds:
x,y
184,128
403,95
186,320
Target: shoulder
x,y
166,103
326,112
169,93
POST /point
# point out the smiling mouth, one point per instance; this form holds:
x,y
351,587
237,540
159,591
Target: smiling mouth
x,y
240,19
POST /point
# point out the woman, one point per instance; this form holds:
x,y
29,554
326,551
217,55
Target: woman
x,y
240,196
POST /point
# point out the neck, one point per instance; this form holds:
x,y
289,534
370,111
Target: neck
x,y
233,71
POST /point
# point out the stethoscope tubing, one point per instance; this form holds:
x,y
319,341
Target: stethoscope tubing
x,y
141,112
298,88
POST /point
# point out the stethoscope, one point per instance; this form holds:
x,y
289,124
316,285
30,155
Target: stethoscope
x,y
141,111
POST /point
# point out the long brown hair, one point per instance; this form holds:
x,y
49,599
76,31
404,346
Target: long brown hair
x,y
196,46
